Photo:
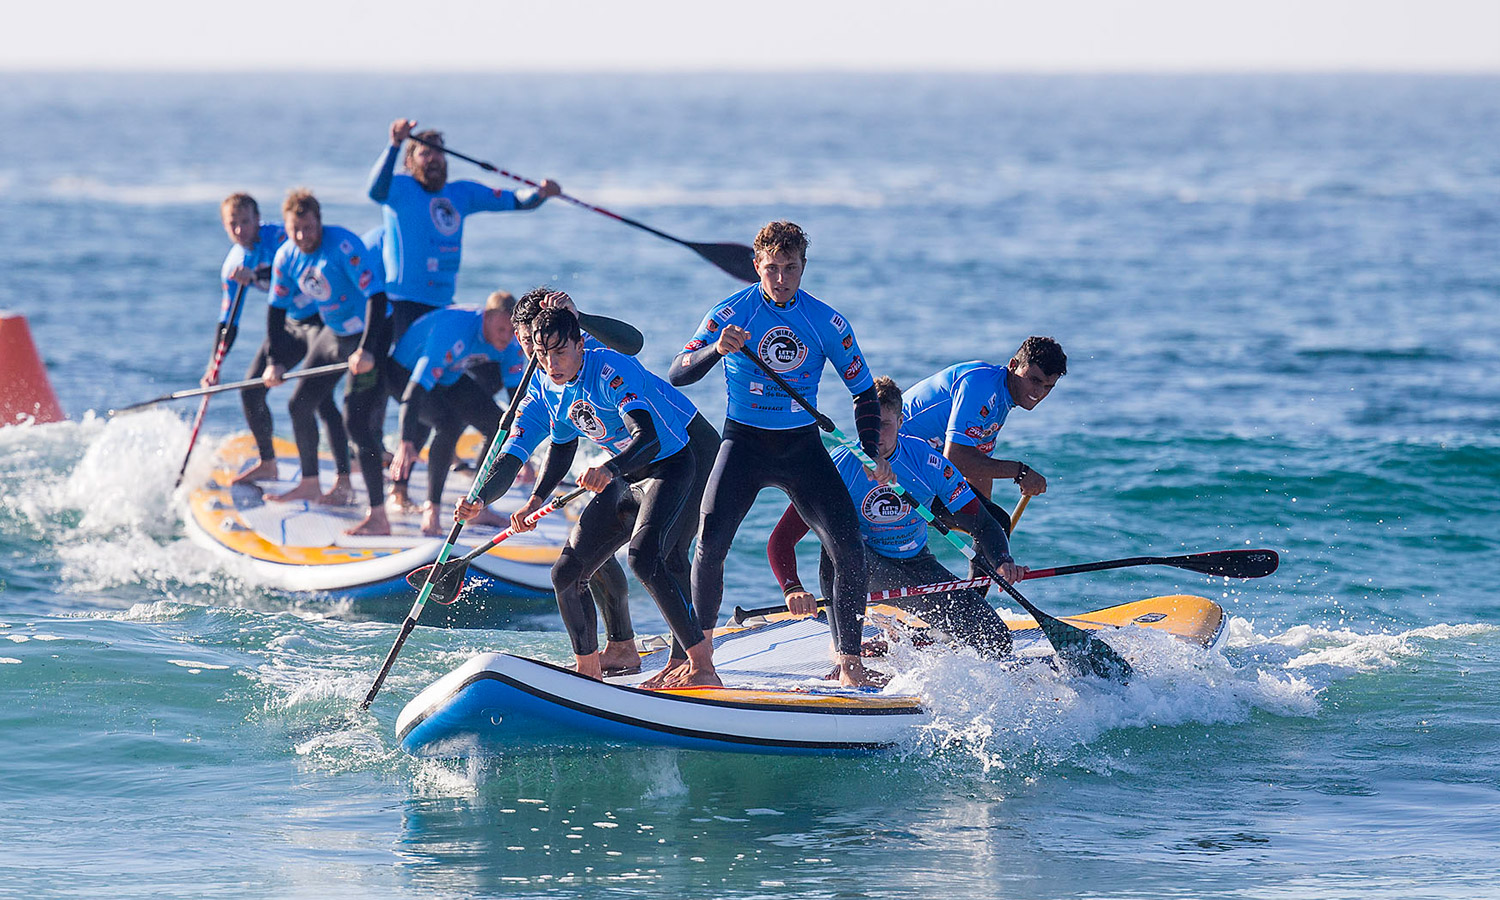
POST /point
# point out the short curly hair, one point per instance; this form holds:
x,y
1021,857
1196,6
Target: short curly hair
x,y
887,393
1043,352
300,201
782,237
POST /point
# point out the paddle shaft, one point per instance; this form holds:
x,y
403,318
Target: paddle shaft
x,y
735,268
1066,639
236,386
505,535
741,613
221,350
485,470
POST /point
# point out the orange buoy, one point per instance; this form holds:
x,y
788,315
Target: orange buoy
x,y
25,393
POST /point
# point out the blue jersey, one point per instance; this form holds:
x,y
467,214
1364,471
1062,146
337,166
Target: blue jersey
x,y
374,241
794,341
965,403
424,230
258,259
889,524
442,345
333,281
593,404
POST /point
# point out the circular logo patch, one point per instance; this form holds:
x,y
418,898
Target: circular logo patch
x,y
782,350
586,419
313,284
882,507
444,217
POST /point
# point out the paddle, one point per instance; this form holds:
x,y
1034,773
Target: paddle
x,y
736,259
449,578
486,468
221,349
1082,650
1015,515
232,386
1225,563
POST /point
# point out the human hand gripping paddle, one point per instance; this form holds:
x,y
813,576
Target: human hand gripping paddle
x,y
1224,563
736,259
221,349
486,468
448,578
1077,647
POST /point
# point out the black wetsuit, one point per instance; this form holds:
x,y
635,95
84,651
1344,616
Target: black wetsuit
x,y
290,351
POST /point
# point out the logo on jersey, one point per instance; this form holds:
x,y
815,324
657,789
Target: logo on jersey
x,y
586,419
957,490
977,433
984,412
712,326
725,314
616,382
848,341
690,346
364,280
947,472
354,260
445,217
346,248
782,350
852,370
314,285
934,460
881,506
839,323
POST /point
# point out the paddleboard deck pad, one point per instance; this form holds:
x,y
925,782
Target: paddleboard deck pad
x,y
301,547
776,697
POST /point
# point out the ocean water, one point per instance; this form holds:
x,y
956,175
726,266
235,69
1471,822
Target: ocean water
x,y
1280,296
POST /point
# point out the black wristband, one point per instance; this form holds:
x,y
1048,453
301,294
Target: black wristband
x,y
1021,472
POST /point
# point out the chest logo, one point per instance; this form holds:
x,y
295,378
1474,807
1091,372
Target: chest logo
x,y
782,350
881,506
445,217
313,284
586,419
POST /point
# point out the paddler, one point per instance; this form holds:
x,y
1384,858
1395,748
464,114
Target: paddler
x,y
424,228
895,537
960,409
323,281
253,248
770,441
429,371
646,494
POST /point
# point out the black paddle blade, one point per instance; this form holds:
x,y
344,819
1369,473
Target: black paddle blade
x,y
449,583
1232,563
736,259
1086,654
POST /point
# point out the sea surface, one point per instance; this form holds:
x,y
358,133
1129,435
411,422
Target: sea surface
x,y
1280,298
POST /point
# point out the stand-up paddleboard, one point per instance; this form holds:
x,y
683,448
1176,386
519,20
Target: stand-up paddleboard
x,y
300,547
776,698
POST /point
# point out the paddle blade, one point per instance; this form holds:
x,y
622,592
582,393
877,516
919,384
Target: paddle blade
x,y
1089,654
1232,563
736,259
450,581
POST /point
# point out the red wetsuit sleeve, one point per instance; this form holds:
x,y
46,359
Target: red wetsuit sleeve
x,y
781,549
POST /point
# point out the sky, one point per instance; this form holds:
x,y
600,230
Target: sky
x,y
699,35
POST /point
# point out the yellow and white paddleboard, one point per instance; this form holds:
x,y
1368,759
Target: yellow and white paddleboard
x,y
301,546
776,698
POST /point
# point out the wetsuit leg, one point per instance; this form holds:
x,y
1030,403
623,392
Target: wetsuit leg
x,y
363,394
703,440
449,410
658,553
403,314
338,435
310,394
811,480
611,593
602,528
964,615
257,410
733,483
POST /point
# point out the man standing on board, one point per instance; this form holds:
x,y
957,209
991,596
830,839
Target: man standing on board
x,y
770,440
424,226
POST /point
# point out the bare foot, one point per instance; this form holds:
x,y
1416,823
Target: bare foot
x,y
399,502
852,673
700,671
667,676
265,470
620,658
432,525
374,523
306,489
341,494
588,666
